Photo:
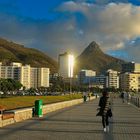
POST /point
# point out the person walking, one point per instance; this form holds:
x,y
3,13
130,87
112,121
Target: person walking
x,y
89,95
122,96
105,110
84,96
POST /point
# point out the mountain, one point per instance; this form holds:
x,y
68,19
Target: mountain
x,y
95,59
10,52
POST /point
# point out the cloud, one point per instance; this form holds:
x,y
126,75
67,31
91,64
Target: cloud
x,y
110,1
132,49
51,37
111,25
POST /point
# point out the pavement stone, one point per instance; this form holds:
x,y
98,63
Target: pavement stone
x,y
78,123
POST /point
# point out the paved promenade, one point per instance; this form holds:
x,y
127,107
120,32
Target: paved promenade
x,y
78,123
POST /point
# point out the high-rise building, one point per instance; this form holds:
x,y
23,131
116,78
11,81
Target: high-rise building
x,y
43,77
112,79
130,81
34,77
86,76
12,71
131,67
66,65
130,77
100,80
25,75
16,70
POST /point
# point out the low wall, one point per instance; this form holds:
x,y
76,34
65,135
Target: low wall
x,y
27,113
56,106
22,114
6,121
0,120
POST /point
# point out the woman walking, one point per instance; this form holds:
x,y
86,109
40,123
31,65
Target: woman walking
x,y
105,110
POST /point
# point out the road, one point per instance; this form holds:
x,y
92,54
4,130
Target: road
x,y
78,123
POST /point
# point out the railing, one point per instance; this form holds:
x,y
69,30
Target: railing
x,y
131,98
135,100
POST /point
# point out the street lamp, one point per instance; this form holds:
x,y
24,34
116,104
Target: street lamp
x,y
70,68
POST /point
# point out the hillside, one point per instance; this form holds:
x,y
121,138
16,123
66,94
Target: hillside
x,y
10,52
93,58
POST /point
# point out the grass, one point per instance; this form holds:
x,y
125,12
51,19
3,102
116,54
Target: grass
x,y
28,101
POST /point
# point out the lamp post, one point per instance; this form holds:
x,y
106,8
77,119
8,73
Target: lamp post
x,y
70,69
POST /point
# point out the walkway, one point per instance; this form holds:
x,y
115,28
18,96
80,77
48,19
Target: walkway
x,y
78,123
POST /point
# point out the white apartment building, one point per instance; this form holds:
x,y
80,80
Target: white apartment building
x,y
34,77
130,81
6,72
112,79
43,77
85,76
11,71
66,65
26,75
100,80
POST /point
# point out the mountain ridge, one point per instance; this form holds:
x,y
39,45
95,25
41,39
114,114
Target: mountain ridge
x,y
95,59
91,58
10,51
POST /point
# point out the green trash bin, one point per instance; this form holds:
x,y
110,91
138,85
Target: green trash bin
x,y
38,108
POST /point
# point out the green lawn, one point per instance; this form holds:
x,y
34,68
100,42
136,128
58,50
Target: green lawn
x,y
28,101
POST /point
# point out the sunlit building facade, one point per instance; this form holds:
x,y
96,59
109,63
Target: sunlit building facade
x,y
43,77
130,81
86,76
28,76
25,76
34,77
112,79
66,65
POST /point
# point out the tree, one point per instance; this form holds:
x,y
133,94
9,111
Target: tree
x,y
9,85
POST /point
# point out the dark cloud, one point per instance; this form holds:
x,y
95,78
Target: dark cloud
x,y
79,23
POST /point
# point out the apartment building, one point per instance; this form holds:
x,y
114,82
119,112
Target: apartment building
x,y
25,75
28,76
131,67
130,77
43,77
100,80
130,81
86,76
112,79
34,77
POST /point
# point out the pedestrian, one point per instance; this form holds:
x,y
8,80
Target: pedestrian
x,y
105,110
89,95
96,95
128,98
84,96
122,96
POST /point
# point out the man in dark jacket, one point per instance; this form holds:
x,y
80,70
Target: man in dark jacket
x,y
104,105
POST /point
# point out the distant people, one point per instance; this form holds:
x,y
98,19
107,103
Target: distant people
x,y
105,110
122,96
85,96
89,95
96,95
128,98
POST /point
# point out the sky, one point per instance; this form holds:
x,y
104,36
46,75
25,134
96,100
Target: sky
x,y
57,26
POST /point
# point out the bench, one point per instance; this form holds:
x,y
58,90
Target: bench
x,y
2,109
8,115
